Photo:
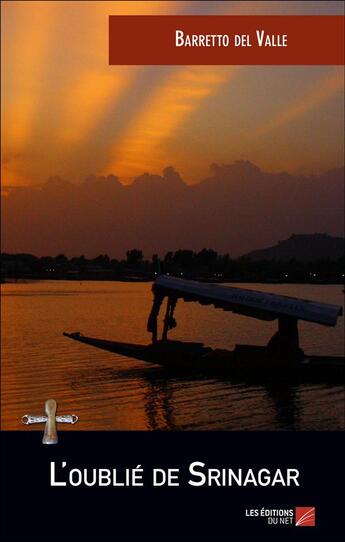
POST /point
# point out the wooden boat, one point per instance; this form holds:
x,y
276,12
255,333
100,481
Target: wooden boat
x,y
281,358
245,361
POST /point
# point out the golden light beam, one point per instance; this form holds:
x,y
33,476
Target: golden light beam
x,y
79,99
87,101
326,89
26,42
182,93
187,88
93,89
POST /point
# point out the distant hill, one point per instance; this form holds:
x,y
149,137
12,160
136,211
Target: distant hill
x,y
303,247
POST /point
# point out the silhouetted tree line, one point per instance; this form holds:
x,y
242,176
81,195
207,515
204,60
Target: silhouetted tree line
x,y
206,264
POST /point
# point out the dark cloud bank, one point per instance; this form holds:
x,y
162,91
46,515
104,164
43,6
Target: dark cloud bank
x,y
237,209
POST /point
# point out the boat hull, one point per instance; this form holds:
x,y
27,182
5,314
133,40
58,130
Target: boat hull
x,y
245,362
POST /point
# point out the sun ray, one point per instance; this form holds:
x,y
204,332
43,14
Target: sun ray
x,y
187,88
99,87
93,92
26,44
325,90
184,91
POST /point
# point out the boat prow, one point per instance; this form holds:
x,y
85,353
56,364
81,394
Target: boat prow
x,y
136,351
245,362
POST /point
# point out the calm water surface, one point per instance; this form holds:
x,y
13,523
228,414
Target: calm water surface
x,y
108,391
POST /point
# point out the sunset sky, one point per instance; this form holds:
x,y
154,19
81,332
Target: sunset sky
x,y
66,112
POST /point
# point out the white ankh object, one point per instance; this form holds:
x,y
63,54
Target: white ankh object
x,y
50,433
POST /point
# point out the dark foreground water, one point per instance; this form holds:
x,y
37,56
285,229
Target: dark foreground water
x,y
111,392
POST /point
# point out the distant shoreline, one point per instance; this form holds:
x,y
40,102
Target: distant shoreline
x,y
23,280
301,259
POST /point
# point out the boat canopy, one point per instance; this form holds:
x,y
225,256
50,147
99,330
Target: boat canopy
x,y
261,305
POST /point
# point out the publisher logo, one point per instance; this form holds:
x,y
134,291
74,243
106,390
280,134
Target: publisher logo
x,y
305,516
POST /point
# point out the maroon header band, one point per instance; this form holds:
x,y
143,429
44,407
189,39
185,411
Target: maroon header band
x,y
226,39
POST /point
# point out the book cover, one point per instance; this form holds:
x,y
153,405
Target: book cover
x,y
172,270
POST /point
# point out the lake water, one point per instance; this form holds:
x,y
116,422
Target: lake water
x,y
108,391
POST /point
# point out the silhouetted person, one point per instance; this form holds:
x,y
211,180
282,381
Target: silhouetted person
x,y
285,343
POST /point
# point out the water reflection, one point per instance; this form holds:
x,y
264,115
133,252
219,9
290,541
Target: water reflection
x,y
160,400
111,392
284,399
159,403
